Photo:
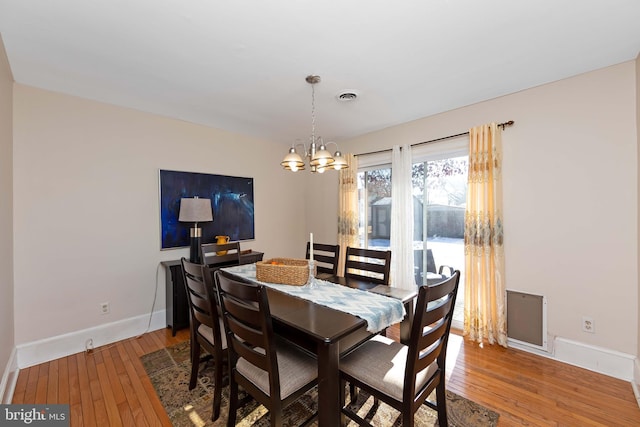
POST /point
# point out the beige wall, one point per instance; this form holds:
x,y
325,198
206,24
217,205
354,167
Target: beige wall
x,y
87,210
570,193
7,341
322,206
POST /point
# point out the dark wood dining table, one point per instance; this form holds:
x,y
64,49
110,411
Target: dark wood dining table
x,y
328,334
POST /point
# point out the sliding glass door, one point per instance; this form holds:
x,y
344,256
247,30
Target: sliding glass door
x,y
440,191
439,182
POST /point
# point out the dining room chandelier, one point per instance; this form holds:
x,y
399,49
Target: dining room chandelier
x,y
320,159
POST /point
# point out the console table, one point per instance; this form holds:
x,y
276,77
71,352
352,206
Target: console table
x,y
177,304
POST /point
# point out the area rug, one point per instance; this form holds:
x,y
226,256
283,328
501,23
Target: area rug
x,y
169,371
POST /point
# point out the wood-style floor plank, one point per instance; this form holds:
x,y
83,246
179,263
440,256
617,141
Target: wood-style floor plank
x,y
96,393
21,387
111,405
75,401
63,381
43,380
88,412
523,388
52,384
32,384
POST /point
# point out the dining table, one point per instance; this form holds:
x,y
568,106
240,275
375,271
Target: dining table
x,y
328,333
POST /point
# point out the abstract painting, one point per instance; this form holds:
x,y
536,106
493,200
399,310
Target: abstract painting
x,y
231,202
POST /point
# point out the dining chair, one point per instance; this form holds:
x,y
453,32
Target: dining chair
x,y
422,277
372,265
206,326
216,255
326,257
403,376
274,372
431,266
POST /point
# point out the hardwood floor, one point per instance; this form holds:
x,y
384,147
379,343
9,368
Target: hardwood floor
x,y
109,387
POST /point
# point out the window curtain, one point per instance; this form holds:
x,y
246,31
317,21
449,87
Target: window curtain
x,y
485,316
402,274
348,208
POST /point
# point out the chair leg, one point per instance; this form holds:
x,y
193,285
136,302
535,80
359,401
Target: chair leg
x,y
233,401
217,384
441,401
195,362
275,415
408,419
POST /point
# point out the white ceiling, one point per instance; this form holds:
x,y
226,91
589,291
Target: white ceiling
x,y
241,65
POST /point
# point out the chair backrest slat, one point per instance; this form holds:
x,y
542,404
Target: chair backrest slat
x,y
216,255
326,257
368,264
432,339
250,346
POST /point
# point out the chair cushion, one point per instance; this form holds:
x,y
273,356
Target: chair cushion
x,y
380,363
207,333
295,367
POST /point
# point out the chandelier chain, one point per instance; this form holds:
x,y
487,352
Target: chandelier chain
x,y
313,113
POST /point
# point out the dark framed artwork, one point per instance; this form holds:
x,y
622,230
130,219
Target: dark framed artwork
x,y
231,202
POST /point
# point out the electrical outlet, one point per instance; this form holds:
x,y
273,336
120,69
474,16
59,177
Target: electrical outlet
x,y
588,325
104,308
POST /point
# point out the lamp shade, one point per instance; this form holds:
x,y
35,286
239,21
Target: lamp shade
x,y
292,161
195,210
339,162
321,157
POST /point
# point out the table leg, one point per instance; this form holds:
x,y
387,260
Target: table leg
x,y
329,414
405,325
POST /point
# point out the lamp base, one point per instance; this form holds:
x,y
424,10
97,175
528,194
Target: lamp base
x,y
194,252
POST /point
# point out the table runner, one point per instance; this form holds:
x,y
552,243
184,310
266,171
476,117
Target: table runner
x,y
379,311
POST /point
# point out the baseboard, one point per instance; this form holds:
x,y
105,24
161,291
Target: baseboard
x,y
597,359
48,349
9,378
602,360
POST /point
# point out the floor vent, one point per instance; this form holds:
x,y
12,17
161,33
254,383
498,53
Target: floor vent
x,y
527,319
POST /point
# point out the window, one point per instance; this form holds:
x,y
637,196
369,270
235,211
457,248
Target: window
x,y
374,197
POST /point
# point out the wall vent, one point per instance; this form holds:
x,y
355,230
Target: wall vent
x,y
527,319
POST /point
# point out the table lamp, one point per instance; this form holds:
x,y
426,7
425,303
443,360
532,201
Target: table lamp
x,y
195,210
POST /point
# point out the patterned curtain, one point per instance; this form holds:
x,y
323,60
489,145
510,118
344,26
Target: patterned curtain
x,y
348,208
402,274
485,316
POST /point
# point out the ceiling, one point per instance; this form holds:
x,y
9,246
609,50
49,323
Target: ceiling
x,y
241,65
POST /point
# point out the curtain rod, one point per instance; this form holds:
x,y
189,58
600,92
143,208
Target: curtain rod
x,y
502,125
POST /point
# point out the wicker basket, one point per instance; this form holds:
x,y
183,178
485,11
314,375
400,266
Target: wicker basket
x,y
286,271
